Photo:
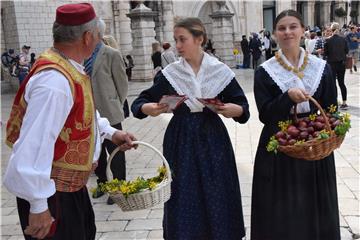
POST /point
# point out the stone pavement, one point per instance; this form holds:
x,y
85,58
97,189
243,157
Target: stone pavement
x,y
112,223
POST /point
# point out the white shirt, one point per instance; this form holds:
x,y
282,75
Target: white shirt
x,y
49,101
167,57
266,43
311,45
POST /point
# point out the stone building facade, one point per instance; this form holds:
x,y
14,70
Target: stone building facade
x,y
137,24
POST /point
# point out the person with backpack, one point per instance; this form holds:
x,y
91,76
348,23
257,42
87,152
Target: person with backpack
x,y
10,60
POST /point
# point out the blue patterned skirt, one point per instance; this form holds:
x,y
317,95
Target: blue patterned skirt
x,y
205,201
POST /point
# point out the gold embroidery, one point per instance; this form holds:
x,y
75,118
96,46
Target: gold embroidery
x,y
65,134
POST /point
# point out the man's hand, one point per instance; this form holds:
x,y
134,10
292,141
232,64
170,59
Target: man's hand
x,y
39,224
123,140
230,110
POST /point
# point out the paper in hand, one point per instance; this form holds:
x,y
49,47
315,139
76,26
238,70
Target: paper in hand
x,y
173,101
211,103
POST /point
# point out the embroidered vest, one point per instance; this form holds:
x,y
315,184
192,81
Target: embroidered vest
x,y
74,147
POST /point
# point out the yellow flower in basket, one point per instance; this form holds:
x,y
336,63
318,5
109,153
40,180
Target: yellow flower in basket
x,y
135,186
139,193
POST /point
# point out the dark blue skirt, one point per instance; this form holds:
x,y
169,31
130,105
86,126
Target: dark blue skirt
x,y
205,201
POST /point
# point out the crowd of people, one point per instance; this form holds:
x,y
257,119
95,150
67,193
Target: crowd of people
x,y
339,46
59,137
18,65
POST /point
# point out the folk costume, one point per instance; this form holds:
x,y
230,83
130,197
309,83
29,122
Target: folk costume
x,y
292,198
56,136
205,201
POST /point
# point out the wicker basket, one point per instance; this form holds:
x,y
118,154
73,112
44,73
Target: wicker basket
x,y
146,198
316,149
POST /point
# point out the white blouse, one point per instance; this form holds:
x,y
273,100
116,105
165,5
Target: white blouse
x,y
212,78
287,79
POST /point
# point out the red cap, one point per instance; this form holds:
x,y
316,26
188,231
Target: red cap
x,y
75,14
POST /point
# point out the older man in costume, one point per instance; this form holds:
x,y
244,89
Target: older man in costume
x,y
56,134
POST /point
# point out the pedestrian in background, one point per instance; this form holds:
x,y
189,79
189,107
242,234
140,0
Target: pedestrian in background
x,y
129,66
156,57
353,39
110,87
335,51
255,49
168,56
24,63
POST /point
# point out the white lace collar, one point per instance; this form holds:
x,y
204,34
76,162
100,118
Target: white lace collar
x,y
286,79
211,79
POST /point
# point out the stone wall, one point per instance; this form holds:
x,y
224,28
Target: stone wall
x,y
30,22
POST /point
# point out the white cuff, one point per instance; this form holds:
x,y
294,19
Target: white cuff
x,y
38,205
109,132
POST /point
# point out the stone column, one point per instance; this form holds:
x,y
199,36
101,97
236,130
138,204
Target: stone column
x,y
342,20
168,21
309,13
222,34
325,12
124,28
143,35
284,5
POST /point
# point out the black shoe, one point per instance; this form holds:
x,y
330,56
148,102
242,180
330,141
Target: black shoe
x,y
355,68
97,192
344,106
110,201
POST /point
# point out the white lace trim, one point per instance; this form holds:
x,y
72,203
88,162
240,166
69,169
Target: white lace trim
x,y
287,79
211,79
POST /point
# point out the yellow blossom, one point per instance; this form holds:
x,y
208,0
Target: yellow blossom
x,y
312,117
332,108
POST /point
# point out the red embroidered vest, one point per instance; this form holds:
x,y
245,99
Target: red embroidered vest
x,y
74,147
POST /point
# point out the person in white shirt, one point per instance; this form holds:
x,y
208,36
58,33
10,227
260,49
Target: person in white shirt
x,y
24,63
56,135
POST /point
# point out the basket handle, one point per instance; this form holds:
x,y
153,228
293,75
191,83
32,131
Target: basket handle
x,y
327,124
109,174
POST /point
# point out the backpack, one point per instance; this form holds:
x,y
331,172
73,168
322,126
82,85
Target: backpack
x,y
6,59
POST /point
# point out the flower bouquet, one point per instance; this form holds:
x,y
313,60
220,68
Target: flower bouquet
x,y
313,137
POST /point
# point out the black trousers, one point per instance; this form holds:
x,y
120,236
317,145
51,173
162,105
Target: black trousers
x,y
255,62
246,60
118,167
338,71
268,54
73,214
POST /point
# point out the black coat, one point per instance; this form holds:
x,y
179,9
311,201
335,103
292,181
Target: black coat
x,y
255,47
156,59
245,47
335,49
